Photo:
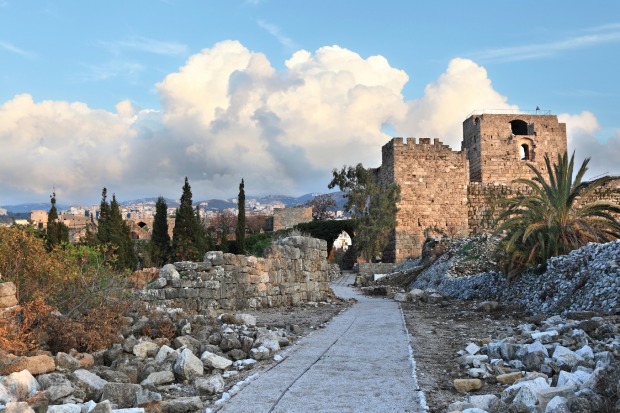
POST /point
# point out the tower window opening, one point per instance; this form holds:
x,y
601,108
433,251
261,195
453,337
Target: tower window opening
x,y
518,127
525,152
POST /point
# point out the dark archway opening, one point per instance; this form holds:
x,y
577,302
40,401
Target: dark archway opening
x,y
518,127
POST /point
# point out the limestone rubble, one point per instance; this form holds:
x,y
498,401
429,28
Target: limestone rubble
x,y
185,374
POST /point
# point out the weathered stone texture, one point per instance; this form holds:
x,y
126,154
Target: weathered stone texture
x,y
433,183
284,218
294,271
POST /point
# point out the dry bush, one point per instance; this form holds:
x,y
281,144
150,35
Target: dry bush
x,y
77,281
92,331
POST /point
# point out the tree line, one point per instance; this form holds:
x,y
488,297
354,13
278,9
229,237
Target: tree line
x,y
191,236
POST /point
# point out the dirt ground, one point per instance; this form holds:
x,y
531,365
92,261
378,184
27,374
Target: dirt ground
x,y
300,320
439,331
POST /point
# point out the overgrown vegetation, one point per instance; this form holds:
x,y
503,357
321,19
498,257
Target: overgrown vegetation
x,y
555,218
373,207
78,281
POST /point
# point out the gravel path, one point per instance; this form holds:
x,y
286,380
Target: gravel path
x,y
360,362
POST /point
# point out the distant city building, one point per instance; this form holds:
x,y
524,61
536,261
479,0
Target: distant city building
x,y
38,217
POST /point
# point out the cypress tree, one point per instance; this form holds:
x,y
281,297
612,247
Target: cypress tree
x,y
103,224
160,239
57,231
187,243
120,237
240,231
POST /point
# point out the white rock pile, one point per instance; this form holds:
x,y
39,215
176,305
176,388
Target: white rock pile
x,y
587,279
561,365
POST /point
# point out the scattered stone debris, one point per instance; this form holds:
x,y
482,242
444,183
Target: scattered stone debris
x,y
205,362
560,364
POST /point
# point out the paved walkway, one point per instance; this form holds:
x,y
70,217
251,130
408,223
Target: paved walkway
x,y
359,363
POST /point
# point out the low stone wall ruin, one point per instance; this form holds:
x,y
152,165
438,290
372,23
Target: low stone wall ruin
x,y
294,270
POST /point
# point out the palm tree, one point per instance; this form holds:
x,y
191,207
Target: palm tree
x,y
555,216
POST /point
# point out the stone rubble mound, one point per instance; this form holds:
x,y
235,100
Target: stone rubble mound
x,y
587,279
206,362
562,364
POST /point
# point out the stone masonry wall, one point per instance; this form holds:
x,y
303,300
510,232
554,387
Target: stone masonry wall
x,y
284,218
482,207
294,270
483,198
433,185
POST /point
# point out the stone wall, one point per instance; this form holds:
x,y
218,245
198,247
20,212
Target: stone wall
x,y
482,206
371,268
483,209
433,186
284,218
294,270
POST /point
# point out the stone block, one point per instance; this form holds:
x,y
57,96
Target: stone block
x,y
8,301
7,289
467,385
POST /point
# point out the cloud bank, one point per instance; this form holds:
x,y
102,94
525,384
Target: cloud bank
x,y
227,114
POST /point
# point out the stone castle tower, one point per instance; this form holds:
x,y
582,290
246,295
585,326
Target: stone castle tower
x,y
448,191
500,146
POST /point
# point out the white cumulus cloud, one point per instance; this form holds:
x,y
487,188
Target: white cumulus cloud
x,y
227,114
581,131
461,89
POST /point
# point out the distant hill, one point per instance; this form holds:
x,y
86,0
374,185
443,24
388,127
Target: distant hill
x,y
26,208
213,204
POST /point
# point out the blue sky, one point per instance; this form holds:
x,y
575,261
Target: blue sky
x,y
137,95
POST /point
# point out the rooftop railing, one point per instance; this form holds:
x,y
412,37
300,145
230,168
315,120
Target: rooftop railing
x,y
536,111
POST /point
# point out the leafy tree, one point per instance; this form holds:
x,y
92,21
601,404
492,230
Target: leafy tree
x,y
113,231
323,206
254,223
188,243
221,225
240,231
556,217
373,207
160,239
57,231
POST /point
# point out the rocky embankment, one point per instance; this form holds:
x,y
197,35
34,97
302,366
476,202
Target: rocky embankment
x,y
203,362
566,360
587,279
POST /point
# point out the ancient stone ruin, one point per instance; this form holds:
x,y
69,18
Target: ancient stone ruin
x,y
293,271
455,193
